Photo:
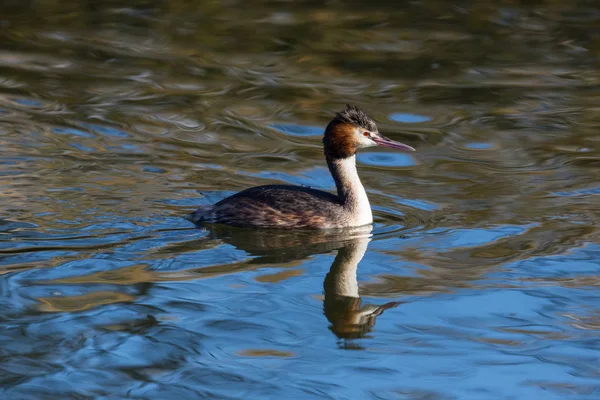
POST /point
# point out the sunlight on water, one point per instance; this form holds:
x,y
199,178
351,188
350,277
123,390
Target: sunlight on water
x,y
477,280
386,159
298,130
409,118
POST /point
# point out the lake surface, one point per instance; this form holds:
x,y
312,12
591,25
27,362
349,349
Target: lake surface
x,y
478,280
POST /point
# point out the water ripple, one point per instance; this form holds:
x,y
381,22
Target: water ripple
x,y
477,280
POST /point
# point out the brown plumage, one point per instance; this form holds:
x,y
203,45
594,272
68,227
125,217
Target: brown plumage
x,y
339,140
280,206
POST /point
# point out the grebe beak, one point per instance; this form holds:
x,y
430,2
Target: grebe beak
x,y
385,142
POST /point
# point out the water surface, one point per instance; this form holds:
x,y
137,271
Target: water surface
x,y
480,276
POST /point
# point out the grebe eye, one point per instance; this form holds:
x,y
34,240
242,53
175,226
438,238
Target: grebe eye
x,y
366,134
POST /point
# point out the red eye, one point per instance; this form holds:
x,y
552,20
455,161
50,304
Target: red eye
x,y
366,134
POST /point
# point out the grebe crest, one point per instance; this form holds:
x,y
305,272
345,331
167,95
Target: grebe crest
x,y
287,206
350,130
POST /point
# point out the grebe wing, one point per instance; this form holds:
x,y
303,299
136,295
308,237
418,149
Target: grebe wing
x,y
273,206
274,195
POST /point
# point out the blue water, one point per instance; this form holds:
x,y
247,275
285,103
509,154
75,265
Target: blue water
x,y
478,279
139,319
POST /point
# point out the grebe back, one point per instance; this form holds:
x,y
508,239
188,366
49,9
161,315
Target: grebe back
x,y
288,206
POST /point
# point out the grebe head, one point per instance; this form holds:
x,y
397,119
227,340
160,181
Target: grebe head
x,y
352,129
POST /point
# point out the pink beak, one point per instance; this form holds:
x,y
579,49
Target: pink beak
x,y
385,142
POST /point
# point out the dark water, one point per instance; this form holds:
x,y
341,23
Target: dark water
x,y
479,279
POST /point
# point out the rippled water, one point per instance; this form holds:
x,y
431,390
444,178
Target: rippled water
x,y
480,276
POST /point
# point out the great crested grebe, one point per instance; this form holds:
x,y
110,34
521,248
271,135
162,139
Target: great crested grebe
x,y
288,206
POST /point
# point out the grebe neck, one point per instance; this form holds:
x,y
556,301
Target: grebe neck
x,y
351,193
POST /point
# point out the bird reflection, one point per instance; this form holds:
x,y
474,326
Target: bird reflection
x,y
349,318
343,306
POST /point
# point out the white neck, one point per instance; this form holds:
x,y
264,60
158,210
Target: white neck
x,y
351,192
